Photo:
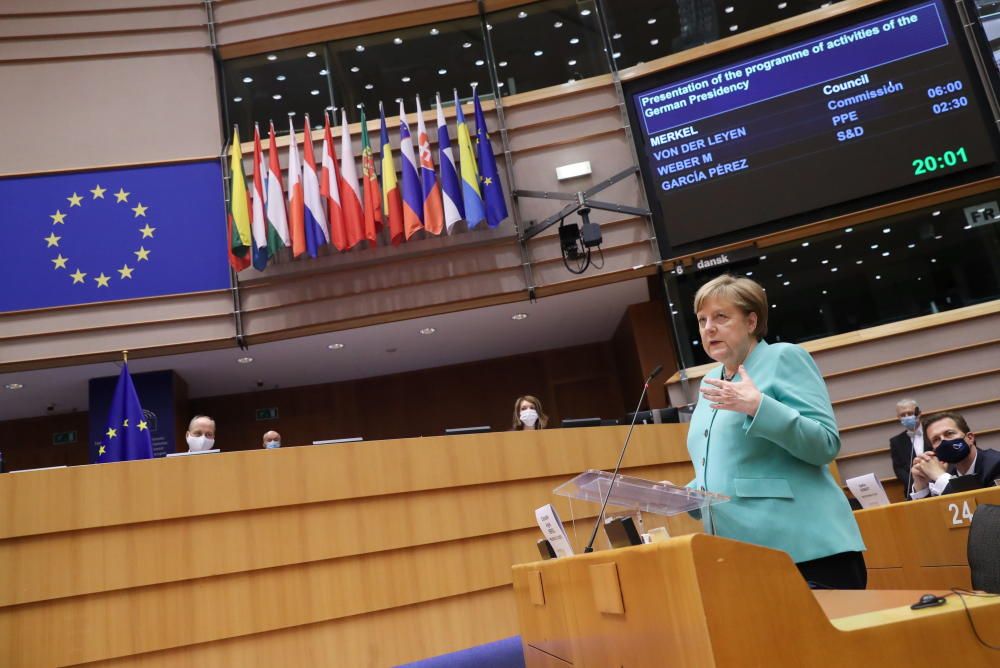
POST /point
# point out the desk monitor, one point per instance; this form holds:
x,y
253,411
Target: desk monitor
x,y
581,422
655,416
962,483
332,441
482,429
196,452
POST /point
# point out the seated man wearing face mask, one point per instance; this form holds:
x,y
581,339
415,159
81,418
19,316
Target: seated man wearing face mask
x,y
951,452
907,444
272,439
201,434
528,414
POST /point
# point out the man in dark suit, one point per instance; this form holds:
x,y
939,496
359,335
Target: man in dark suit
x,y
907,444
951,453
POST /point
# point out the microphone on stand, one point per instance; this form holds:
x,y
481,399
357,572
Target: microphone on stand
x,y
614,477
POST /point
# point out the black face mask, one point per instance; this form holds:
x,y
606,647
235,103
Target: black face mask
x,y
952,451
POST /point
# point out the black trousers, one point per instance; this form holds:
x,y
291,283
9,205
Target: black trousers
x,y
838,571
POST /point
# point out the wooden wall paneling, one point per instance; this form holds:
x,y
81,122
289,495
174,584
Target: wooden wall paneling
x,y
626,353
61,565
39,26
384,638
27,443
45,501
71,8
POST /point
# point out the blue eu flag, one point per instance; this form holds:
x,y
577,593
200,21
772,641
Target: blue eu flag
x,y
489,179
112,234
127,436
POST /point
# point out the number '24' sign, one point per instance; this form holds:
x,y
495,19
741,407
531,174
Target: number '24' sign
x,y
958,514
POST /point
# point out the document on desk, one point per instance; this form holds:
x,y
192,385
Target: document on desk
x,y
555,532
868,490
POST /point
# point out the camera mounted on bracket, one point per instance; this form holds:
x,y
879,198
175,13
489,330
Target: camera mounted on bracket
x,y
576,242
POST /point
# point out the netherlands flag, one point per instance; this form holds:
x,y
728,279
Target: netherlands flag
x,y
317,233
296,204
413,206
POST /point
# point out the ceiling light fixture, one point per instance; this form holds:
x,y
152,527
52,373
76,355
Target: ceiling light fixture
x,y
335,346
247,79
311,54
427,330
359,48
244,360
272,57
519,316
14,386
397,41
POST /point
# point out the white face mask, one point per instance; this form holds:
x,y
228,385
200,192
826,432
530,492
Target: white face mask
x,y
529,417
199,443
272,444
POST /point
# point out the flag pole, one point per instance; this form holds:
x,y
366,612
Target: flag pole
x,y
125,356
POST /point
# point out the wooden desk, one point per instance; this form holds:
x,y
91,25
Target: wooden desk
x,y
921,543
704,601
358,554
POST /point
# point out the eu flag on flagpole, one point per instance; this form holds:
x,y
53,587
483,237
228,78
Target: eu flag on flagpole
x,y
489,180
127,436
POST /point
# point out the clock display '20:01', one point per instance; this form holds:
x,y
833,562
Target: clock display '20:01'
x,y
933,163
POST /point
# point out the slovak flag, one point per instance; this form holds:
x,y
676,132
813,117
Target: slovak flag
x,y
296,204
350,193
431,191
317,233
413,207
450,189
329,187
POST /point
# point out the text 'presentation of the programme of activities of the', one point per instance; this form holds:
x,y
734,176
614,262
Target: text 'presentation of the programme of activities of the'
x,y
887,100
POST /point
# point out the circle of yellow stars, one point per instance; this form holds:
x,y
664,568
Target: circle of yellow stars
x,y
112,432
102,280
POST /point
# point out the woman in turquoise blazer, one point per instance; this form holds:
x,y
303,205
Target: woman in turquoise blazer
x,y
763,433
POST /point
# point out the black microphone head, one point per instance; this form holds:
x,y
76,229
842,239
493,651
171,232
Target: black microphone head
x,y
656,372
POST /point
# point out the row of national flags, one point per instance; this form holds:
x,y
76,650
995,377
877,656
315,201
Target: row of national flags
x,y
324,204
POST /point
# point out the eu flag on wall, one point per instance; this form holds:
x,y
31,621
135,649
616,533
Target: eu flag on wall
x,y
127,436
112,234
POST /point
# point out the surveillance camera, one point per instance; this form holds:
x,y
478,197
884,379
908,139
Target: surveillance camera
x,y
50,407
260,383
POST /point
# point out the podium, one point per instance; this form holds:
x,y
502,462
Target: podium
x,y
705,601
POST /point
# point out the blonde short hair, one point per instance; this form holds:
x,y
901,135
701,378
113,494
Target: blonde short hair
x,y
746,294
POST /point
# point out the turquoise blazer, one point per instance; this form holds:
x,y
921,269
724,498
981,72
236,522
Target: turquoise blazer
x,y
774,465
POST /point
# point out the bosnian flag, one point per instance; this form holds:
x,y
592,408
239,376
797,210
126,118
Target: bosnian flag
x,y
413,206
317,233
258,221
277,217
472,199
450,189
296,205
329,187
431,191
354,217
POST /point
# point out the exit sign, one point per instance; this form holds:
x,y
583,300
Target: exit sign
x,y
63,437
267,413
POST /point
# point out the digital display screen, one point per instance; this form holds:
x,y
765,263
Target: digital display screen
x,y
879,103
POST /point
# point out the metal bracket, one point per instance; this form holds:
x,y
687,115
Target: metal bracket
x,y
580,200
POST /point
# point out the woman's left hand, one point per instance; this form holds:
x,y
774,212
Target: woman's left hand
x,y
742,396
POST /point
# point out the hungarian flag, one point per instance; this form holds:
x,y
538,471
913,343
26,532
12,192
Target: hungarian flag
x,y
392,202
430,190
239,214
451,191
296,202
258,220
350,195
329,187
472,200
277,217
317,233
413,206
372,196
